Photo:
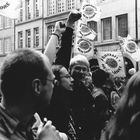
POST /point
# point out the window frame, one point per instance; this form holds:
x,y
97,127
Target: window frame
x,y
117,25
102,27
35,37
28,38
20,39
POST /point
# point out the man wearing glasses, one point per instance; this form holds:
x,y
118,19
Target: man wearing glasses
x,y
26,86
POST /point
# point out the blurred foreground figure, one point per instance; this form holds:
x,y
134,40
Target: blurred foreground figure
x,y
125,124
26,85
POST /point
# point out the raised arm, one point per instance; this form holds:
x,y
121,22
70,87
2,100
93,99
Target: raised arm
x,y
64,54
50,49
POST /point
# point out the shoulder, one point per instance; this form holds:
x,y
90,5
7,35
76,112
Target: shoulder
x,y
98,92
3,133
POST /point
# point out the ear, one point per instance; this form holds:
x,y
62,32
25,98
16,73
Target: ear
x,y
57,82
36,85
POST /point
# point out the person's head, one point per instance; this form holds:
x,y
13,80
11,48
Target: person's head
x,y
131,96
79,67
26,78
99,77
131,72
63,78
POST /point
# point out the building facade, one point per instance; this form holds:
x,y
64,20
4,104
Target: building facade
x,y
29,27
38,17
6,37
118,18
57,10
37,20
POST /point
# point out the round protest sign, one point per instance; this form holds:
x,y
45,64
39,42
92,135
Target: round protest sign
x,y
84,46
84,30
131,47
89,11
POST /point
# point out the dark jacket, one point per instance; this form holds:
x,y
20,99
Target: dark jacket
x,y
60,112
64,54
83,108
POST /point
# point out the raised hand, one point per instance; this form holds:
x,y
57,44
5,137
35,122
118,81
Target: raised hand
x,y
59,27
73,16
49,132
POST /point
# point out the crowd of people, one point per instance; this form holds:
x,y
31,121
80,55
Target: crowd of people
x,y
54,96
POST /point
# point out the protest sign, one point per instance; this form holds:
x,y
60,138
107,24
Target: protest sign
x,y
111,61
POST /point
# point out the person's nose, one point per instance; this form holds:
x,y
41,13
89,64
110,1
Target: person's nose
x,y
81,70
71,79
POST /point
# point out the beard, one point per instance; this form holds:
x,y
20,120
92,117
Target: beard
x,y
78,76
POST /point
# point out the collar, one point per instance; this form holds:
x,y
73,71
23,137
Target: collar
x,y
8,120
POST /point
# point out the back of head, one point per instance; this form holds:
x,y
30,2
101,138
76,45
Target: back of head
x,y
79,59
17,72
126,121
131,93
99,77
57,71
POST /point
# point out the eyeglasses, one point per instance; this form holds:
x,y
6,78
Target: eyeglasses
x,y
79,68
66,76
51,80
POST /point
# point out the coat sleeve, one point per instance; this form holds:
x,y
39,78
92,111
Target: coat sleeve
x,y
64,54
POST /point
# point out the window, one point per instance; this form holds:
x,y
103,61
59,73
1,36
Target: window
x,y
93,26
7,22
107,28
36,8
70,4
52,7
28,38
1,46
20,39
28,12
50,30
122,25
60,6
36,37
21,15
1,22
102,1
21,12
7,45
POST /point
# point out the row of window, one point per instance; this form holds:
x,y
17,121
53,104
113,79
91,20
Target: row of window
x,y
28,38
5,45
122,27
106,27
58,6
28,9
5,22
106,31
54,7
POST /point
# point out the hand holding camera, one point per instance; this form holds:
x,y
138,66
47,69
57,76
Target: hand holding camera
x,y
48,131
59,27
